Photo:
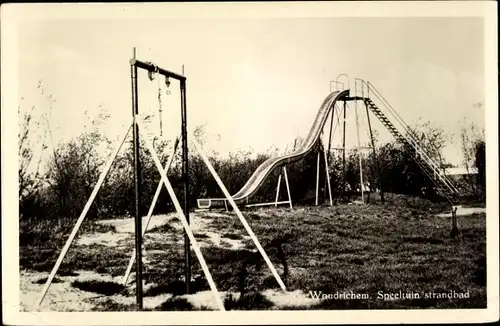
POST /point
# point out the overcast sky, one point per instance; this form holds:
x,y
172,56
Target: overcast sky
x,y
255,82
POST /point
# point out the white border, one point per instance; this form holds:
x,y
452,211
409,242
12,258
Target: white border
x,y
13,15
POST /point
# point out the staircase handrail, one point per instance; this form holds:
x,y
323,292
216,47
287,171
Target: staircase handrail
x,y
397,116
411,137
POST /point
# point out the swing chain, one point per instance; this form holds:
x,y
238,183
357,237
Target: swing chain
x,y
167,82
152,75
160,109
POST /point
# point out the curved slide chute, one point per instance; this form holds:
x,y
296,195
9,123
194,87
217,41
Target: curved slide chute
x,y
263,171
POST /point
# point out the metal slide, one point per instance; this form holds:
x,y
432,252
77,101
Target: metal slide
x,y
263,171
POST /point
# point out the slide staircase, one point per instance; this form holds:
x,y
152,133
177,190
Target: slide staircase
x,y
378,105
406,136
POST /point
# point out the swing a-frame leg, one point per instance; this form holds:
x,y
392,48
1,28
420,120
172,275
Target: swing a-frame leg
x,y
164,180
240,216
183,220
151,209
81,218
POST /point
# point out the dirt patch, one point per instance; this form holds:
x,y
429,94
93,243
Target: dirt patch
x,y
108,239
127,225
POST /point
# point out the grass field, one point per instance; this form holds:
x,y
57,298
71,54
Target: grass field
x,y
372,250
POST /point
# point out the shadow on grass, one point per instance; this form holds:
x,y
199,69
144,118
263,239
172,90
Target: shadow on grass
x,y
165,228
479,275
53,233
177,288
201,236
232,236
100,287
249,301
422,240
98,258
65,271
110,305
43,280
175,304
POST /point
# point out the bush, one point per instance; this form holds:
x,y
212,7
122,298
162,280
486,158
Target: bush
x,y
480,163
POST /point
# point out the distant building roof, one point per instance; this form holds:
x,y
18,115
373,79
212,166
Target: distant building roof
x,y
460,171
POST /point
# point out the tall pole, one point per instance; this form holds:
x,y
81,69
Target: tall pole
x,y
185,177
377,163
343,147
331,128
331,121
359,153
328,178
317,178
137,181
330,142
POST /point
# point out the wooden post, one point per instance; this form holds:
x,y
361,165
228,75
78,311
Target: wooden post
x,y
317,179
277,191
455,232
359,154
288,188
328,178
343,148
330,134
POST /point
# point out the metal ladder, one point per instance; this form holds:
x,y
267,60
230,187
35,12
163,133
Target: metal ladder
x,y
443,184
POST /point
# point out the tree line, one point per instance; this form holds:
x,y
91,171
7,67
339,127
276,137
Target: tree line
x,y
73,169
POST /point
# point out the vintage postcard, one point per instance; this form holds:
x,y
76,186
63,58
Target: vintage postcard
x,y
249,163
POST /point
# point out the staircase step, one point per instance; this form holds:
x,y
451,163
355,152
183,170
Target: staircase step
x,y
443,185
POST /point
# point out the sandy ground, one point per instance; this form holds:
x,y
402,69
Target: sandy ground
x,y
64,297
